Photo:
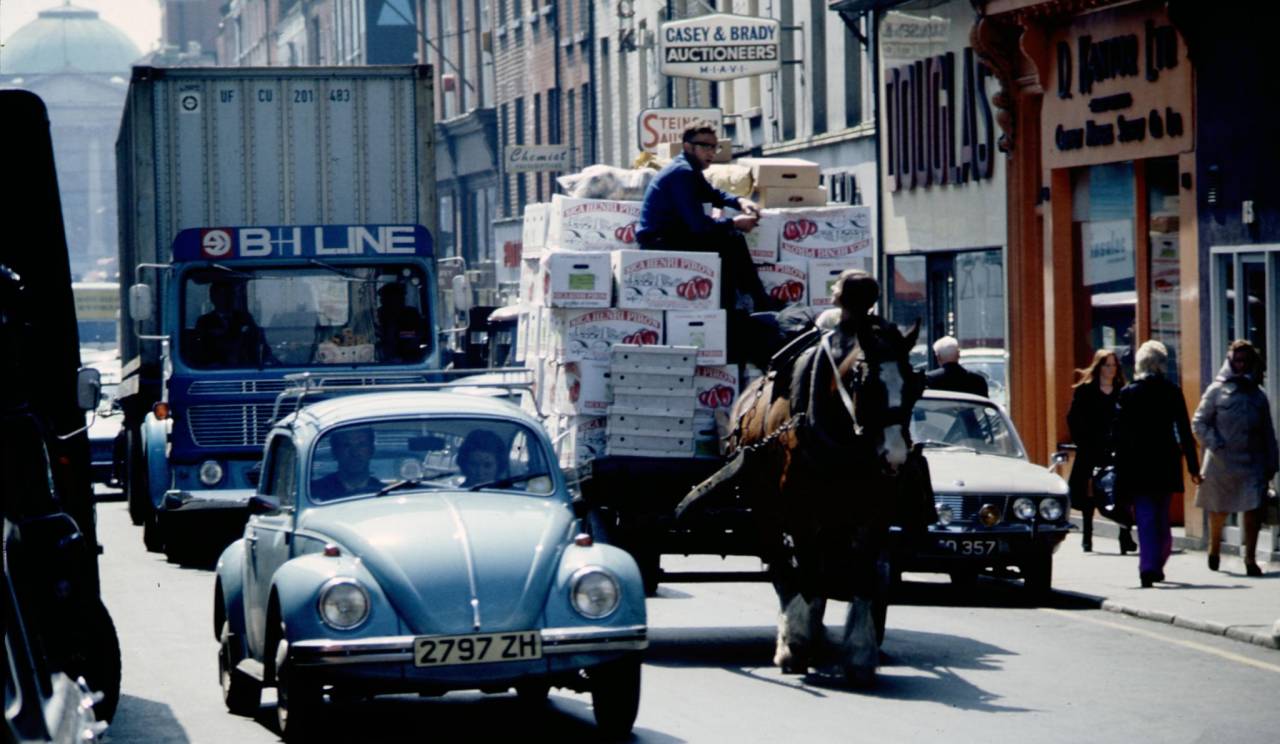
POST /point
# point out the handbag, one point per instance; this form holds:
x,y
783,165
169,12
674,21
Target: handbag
x,y
1106,500
1271,507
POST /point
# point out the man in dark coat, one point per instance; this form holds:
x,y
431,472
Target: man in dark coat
x,y
675,217
951,376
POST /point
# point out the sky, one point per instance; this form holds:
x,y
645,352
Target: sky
x,y
138,19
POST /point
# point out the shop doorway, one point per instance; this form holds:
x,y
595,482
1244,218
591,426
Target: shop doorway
x,y
1245,285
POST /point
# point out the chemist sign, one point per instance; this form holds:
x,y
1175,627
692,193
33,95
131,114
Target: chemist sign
x,y
720,47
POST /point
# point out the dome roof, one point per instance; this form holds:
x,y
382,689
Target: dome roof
x,y
68,39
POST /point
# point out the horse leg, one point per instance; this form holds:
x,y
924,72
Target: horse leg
x,y
860,648
791,654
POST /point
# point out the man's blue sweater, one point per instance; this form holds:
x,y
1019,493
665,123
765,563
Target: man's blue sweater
x,y
673,211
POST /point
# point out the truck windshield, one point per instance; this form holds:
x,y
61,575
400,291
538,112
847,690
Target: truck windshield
x,y
301,317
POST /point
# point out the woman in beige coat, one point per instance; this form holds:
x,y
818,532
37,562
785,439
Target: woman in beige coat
x,y
1233,423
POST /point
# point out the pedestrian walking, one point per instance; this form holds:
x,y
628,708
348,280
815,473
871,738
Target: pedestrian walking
x,y
950,375
1233,424
1151,434
1090,419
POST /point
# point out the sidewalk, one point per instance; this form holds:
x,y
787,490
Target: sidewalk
x,y
1224,602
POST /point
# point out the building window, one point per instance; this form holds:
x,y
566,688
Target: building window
x,y
606,102
537,140
1106,296
522,187
1164,276
571,115
506,141
502,12
588,139
852,78
818,17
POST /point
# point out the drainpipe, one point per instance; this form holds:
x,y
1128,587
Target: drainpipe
x,y
590,157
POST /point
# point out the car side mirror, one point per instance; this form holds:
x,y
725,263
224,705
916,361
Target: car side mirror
x,y
262,504
88,388
461,294
141,302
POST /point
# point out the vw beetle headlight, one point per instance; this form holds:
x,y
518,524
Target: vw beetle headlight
x,y
211,472
1024,508
594,592
1051,510
343,604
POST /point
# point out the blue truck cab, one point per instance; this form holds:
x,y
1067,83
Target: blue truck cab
x,y
240,308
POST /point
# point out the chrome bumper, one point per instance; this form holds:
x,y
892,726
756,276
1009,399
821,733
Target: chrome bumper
x,y
399,649
204,500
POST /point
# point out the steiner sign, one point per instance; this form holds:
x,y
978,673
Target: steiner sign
x,y
721,47
655,126
533,158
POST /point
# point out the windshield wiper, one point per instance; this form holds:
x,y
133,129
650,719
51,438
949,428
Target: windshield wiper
x,y
330,267
508,481
408,483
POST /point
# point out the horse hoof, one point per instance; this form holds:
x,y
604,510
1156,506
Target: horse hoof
x,y
860,677
791,662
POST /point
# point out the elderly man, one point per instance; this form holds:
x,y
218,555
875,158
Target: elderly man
x,y
675,217
951,376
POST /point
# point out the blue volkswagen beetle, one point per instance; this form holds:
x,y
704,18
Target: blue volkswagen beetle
x,y
421,542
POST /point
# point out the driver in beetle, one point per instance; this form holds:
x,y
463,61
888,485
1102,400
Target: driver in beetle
x,y
674,218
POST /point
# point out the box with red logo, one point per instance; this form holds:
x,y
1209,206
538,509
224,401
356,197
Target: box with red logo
x,y
762,242
581,388
707,330
577,279
823,273
589,334
591,224
533,232
787,282
666,280
828,232
531,282
715,387
578,439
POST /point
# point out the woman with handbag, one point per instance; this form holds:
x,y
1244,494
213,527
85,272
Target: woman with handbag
x,y
1152,435
1233,424
1090,418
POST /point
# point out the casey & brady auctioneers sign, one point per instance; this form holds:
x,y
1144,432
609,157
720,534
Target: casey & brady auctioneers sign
x,y
721,47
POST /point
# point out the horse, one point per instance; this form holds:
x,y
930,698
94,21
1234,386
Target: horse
x,y
831,462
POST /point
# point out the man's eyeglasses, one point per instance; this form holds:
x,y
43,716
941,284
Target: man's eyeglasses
x,y
705,145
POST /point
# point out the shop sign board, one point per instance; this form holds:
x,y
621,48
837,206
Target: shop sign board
x,y
1118,88
1108,251
721,47
658,125
535,158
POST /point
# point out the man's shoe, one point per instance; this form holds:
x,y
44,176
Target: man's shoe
x,y
1127,545
1213,562
1086,543
1147,579
1251,569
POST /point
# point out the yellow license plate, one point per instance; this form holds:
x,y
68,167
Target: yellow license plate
x,y
480,648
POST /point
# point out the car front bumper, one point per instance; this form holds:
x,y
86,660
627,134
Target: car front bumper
x,y
955,547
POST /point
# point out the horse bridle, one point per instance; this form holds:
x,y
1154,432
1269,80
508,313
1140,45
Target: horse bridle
x,y
824,346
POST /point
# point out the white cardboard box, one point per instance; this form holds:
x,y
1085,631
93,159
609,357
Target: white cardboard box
x,y
578,279
827,232
707,330
666,280
575,335
781,197
762,242
580,439
591,224
823,273
715,387
795,173
530,281
788,282
533,233
581,388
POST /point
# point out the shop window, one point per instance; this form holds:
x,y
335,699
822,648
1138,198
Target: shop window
x,y
1106,302
1165,276
907,302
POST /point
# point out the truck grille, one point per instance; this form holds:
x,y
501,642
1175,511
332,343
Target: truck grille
x,y
231,424
233,387
965,506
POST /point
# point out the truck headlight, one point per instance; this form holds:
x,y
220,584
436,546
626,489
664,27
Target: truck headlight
x,y
1024,509
1051,510
211,472
594,592
343,604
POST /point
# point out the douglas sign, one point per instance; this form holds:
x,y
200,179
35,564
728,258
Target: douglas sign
x,y
720,47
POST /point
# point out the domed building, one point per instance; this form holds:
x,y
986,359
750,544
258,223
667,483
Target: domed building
x,y
79,64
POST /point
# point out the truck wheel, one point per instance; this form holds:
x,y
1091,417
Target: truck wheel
x,y
136,488
615,696
94,653
153,533
241,693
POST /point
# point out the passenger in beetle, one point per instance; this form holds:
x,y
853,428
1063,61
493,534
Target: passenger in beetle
x,y
482,458
353,450
228,335
674,217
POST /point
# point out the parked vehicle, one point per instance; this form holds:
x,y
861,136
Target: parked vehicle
x,y
273,220
421,542
996,509
50,533
104,423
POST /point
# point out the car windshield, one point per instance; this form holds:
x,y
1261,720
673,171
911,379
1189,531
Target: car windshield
x,y
428,453
316,315
969,424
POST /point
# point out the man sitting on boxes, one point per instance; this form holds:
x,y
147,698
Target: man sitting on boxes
x,y
675,218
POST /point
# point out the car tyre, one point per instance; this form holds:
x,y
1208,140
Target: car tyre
x,y
153,533
94,654
241,693
615,696
299,702
533,693
1037,577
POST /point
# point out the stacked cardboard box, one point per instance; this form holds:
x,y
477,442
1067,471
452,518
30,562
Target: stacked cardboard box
x,y
653,401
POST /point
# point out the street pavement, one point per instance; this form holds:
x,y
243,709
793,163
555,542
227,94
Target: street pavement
x,y
1224,602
